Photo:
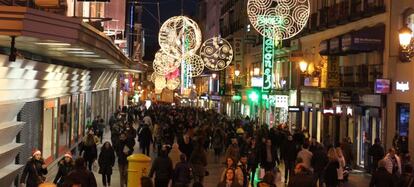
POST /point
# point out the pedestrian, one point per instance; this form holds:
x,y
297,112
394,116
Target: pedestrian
x,y
66,165
185,145
268,158
198,161
229,180
288,155
303,177
306,156
182,173
89,149
144,139
101,128
80,176
146,182
217,143
341,161
381,177
319,162
106,161
123,151
252,159
377,153
393,165
162,167
233,150
242,166
34,171
331,171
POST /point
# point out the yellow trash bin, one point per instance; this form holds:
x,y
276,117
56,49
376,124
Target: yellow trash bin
x,y
48,184
138,166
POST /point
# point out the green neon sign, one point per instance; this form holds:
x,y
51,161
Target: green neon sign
x,y
269,20
267,63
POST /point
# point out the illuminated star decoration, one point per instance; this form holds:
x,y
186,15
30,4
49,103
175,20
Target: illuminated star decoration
x,y
179,36
278,18
216,53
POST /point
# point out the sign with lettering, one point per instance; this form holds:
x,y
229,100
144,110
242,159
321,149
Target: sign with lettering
x,y
268,57
402,86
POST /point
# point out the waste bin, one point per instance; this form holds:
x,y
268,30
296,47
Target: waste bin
x,y
48,184
138,166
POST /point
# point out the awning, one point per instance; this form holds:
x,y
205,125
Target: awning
x,y
360,41
59,37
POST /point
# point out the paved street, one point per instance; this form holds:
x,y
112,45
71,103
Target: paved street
x,y
356,179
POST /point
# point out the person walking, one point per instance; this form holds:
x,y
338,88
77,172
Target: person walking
x,y
319,162
341,161
306,156
89,149
144,139
268,158
80,176
252,159
229,180
376,151
66,165
331,173
198,161
106,161
393,165
34,171
303,177
288,155
162,167
217,143
182,173
123,150
381,177
185,145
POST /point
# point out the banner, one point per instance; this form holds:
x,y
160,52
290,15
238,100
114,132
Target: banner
x,y
238,50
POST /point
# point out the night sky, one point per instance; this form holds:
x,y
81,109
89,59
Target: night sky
x,y
168,8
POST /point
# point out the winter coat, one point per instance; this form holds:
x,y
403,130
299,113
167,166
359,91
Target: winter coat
x,y
122,156
388,163
289,151
233,151
302,179
33,173
144,136
162,167
80,176
90,152
319,160
381,178
377,152
106,161
331,174
198,161
182,173
187,149
64,169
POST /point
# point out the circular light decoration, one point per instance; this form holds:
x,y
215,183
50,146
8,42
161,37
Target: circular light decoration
x,y
281,19
158,91
155,75
194,64
216,53
179,36
172,84
159,83
167,63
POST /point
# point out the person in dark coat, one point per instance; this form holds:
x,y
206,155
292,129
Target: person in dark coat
x,y
229,180
381,177
331,174
268,156
198,161
106,161
123,150
302,178
89,149
318,162
376,151
289,153
252,158
145,139
65,166
34,171
182,173
80,175
185,145
162,167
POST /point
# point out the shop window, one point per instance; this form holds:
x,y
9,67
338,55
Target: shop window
x,y
403,118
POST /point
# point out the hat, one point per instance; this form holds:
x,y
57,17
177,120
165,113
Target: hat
x,y
36,152
68,154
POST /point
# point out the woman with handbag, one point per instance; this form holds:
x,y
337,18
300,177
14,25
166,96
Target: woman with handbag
x,y
106,161
34,171
65,166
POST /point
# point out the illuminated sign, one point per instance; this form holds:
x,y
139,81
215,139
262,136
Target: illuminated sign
x,y
268,54
402,86
257,81
268,20
294,109
349,111
328,111
339,109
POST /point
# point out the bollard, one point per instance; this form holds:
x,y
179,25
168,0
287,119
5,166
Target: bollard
x,y
138,166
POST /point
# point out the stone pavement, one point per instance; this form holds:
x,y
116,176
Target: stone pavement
x,y
215,168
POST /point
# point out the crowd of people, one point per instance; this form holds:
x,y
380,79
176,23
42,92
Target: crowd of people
x,y
251,154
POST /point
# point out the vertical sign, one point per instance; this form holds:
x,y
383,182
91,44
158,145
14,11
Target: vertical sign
x,y
268,57
222,82
238,51
333,72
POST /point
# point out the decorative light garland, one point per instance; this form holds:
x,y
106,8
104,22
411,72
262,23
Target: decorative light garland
x,y
173,84
216,53
195,65
278,18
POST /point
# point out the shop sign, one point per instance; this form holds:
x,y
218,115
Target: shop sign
x,y
222,82
311,81
328,111
371,100
334,44
345,97
238,50
324,47
294,109
215,97
402,86
338,109
333,72
257,81
204,97
268,57
349,111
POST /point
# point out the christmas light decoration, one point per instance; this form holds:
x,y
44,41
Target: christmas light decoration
x,y
216,53
281,19
195,65
172,84
177,32
160,82
165,62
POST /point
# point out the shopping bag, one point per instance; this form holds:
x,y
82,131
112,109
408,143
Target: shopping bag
x,y
95,166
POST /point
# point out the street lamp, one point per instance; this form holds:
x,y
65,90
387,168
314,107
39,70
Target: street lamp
x,y
237,72
303,66
214,75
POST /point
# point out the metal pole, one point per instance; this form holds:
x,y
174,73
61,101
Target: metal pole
x,y
74,8
159,15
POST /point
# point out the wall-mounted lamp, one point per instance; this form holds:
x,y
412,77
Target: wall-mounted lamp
x,y
303,66
214,76
236,72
